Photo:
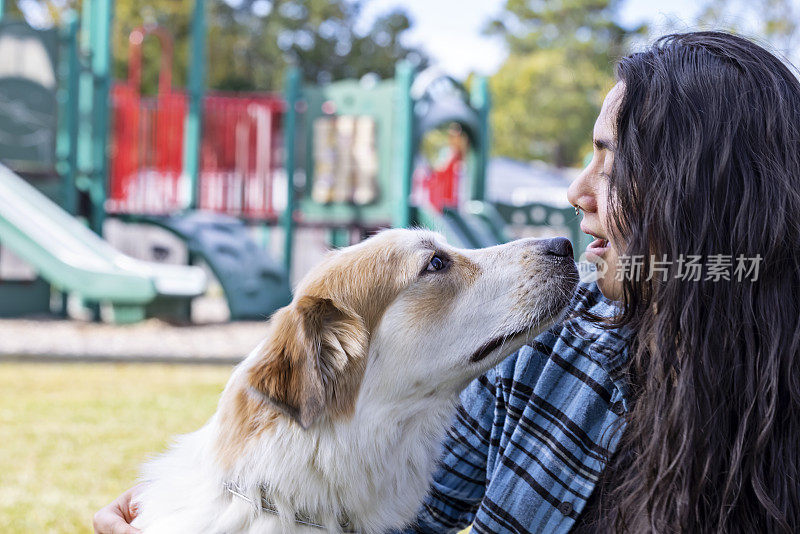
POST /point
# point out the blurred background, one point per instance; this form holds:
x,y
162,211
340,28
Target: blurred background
x,y
169,169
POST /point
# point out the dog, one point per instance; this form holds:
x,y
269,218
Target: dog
x,y
334,422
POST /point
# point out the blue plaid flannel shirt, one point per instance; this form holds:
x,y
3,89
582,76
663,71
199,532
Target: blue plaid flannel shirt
x,y
530,438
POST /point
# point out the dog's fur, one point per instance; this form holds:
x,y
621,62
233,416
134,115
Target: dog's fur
x,y
341,410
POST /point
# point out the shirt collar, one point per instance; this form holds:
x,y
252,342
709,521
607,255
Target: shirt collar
x,y
608,346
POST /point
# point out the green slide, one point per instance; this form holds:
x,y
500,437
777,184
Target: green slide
x,y
76,260
476,226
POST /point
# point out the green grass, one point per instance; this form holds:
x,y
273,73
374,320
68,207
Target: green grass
x,y
72,436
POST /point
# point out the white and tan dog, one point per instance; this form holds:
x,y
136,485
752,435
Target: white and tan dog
x,y
336,419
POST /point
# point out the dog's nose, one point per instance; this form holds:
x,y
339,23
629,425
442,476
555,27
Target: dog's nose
x,y
558,246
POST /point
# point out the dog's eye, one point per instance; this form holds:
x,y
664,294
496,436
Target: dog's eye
x,y
437,263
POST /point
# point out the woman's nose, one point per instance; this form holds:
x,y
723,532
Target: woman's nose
x,y
581,193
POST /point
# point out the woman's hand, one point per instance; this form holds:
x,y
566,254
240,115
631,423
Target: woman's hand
x,y
117,516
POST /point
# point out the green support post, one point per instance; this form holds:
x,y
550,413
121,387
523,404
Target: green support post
x,y
194,119
67,143
102,12
2,9
404,77
85,95
481,100
339,237
293,88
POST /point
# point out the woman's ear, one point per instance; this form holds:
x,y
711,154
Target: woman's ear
x,y
314,360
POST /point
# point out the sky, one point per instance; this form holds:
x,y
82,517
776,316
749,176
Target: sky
x,y
450,30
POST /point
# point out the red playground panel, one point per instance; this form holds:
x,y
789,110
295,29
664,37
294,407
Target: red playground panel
x,y
146,134
241,151
146,151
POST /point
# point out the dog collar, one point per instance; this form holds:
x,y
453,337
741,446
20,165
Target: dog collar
x,y
267,505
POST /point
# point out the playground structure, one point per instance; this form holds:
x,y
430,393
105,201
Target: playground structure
x,y
41,139
239,147
69,255
341,157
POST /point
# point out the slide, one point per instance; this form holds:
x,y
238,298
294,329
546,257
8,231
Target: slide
x,y
476,226
478,233
254,284
76,260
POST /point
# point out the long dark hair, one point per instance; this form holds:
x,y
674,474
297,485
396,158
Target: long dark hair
x,y
707,162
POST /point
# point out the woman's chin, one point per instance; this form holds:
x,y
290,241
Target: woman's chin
x,y
607,280
610,287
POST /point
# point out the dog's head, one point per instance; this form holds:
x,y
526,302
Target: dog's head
x,y
417,312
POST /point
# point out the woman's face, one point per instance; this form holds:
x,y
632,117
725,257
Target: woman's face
x,y
589,192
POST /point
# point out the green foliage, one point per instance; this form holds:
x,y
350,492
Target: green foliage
x,y
251,43
549,91
174,15
546,104
532,25
773,20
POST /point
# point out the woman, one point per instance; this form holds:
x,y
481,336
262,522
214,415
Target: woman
x,y
705,162
671,402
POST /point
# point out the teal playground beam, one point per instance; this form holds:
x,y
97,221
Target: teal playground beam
x,y
67,145
293,89
194,118
404,151
481,100
86,81
102,13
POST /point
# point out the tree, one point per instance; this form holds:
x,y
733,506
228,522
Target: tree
x,y
773,20
545,110
131,14
319,36
251,42
548,92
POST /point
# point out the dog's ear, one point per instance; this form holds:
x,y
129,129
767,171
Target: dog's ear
x,y
313,361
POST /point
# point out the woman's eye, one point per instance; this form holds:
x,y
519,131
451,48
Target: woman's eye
x,y
436,264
